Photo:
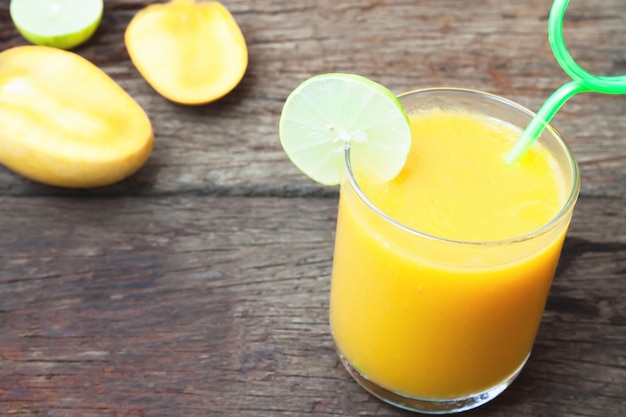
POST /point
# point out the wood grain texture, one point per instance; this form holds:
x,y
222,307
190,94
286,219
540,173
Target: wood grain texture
x,y
230,147
218,306
199,286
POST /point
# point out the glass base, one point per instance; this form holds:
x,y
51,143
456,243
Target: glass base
x,y
428,406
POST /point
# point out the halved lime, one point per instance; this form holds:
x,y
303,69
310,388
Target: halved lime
x,y
329,113
58,23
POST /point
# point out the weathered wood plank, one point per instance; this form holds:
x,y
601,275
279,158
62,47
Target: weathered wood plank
x,y
195,306
231,147
199,286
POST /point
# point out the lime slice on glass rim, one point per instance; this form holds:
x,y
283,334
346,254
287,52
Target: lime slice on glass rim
x,y
329,113
61,24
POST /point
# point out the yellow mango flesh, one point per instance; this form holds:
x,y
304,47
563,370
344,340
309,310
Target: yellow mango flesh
x,y
189,52
64,122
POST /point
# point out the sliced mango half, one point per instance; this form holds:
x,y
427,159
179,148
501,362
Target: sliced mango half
x,y
65,122
190,51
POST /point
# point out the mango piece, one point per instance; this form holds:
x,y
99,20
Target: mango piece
x,y
64,122
191,52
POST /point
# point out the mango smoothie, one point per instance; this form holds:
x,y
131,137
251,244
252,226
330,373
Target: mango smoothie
x,y
440,276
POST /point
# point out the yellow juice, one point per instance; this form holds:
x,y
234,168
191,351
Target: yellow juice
x,y
432,295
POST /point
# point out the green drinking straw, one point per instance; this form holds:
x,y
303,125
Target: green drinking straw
x,y
582,81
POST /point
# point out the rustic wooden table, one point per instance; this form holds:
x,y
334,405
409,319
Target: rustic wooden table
x,y
199,287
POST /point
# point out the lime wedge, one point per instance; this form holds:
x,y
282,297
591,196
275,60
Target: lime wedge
x,y
61,24
329,113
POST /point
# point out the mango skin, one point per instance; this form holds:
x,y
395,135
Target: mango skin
x,y
64,122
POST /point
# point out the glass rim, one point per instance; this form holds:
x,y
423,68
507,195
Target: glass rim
x,y
547,226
